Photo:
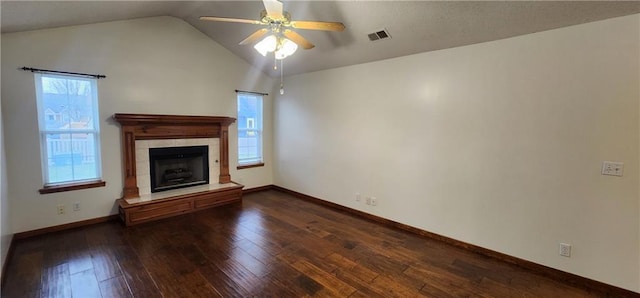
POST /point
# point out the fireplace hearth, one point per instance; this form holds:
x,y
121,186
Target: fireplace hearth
x,y
178,167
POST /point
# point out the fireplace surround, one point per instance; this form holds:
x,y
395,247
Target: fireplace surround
x,y
136,208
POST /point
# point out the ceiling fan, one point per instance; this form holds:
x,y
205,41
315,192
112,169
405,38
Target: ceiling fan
x,y
282,40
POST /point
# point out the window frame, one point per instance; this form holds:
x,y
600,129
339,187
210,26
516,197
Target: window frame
x,y
257,128
43,132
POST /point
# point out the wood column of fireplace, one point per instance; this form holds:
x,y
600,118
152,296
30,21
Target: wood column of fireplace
x,y
150,127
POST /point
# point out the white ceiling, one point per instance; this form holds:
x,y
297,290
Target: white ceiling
x,y
415,26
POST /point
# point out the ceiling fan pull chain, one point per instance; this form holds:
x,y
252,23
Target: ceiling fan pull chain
x,y
275,63
281,78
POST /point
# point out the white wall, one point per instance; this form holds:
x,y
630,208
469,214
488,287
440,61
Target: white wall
x,y
497,144
157,65
5,228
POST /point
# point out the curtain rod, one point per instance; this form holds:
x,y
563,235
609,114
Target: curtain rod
x,y
259,93
97,76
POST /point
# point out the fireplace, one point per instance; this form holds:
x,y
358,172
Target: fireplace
x,y
178,167
149,127
142,134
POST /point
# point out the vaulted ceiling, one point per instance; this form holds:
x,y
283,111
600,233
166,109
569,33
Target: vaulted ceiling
x,y
414,26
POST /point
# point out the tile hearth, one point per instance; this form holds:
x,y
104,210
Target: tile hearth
x,y
179,192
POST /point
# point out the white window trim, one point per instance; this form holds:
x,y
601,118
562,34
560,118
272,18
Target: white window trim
x,y
43,132
258,125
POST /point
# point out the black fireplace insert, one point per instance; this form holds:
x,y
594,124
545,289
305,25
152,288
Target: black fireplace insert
x,y
177,167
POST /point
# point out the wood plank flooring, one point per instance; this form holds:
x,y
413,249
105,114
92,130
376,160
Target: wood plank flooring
x,y
273,245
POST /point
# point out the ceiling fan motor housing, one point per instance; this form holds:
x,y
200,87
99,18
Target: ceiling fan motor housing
x,y
267,19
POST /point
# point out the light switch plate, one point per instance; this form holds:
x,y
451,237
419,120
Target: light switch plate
x,y
612,168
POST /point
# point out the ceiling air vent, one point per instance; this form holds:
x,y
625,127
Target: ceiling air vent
x,y
382,34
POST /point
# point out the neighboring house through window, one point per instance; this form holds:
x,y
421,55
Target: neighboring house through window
x,y
69,128
251,124
249,129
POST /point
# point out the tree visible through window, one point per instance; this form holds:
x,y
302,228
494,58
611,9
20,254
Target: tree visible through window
x,y
69,131
249,128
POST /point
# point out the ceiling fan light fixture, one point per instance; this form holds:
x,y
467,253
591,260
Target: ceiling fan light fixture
x,y
286,49
267,45
280,38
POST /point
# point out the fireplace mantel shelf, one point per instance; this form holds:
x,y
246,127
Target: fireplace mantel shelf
x,y
150,119
150,127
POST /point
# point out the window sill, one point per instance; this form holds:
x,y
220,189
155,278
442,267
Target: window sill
x,y
253,165
72,186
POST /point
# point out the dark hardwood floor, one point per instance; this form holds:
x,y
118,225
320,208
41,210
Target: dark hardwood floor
x,y
274,245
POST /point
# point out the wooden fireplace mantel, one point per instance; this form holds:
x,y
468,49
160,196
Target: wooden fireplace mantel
x,y
149,127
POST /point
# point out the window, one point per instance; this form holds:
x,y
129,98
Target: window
x,y
249,130
69,131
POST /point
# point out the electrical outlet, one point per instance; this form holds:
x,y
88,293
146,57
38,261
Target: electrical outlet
x,y
368,201
357,197
60,209
565,250
374,201
612,168
76,206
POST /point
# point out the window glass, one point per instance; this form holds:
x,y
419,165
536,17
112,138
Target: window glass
x,y
249,129
69,130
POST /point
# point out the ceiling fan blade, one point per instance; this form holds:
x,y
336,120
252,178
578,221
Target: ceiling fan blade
x,y
255,36
312,25
274,9
298,39
231,20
